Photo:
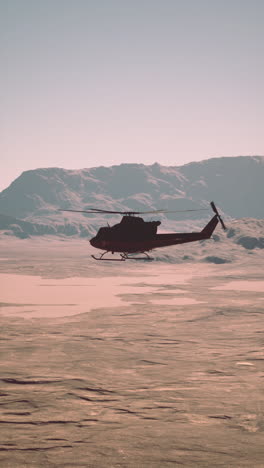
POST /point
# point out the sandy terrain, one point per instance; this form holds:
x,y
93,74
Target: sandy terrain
x,y
129,364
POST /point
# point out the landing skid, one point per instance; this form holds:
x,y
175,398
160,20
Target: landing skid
x,y
107,259
128,257
123,257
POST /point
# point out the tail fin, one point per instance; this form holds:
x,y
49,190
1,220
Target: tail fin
x,y
210,227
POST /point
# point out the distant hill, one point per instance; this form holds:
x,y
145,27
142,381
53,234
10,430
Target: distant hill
x,y
236,184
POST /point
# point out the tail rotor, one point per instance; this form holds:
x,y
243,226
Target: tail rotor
x,y
218,215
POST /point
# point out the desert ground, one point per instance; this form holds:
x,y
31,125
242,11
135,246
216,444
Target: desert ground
x,y
130,364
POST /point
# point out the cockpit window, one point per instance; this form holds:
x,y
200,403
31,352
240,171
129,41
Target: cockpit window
x,y
102,233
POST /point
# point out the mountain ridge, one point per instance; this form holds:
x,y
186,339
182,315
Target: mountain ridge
x,y
234,183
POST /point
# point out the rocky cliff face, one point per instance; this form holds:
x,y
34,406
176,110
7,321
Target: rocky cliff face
x,y
235,184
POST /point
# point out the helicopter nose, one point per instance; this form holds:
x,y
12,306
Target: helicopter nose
x,y
93,242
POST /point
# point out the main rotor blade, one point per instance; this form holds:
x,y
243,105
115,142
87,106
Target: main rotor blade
x,y
184,211
77,211
97,210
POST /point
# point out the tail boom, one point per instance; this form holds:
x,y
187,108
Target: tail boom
x,y
210,227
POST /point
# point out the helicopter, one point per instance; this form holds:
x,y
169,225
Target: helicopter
x,y
134,236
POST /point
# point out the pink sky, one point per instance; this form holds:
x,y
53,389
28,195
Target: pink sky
x,y
101,83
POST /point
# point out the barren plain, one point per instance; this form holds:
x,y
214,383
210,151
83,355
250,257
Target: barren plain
x,y
132,364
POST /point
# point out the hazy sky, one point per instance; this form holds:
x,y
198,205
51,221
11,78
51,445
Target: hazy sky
x,y
100,82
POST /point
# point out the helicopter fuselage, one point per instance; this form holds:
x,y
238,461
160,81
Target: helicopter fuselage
x,y
134,235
